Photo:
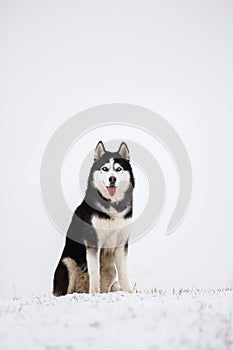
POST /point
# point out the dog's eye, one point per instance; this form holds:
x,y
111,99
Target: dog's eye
x,y
118,169
104,168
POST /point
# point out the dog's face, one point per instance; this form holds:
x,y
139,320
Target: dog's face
x,y
111,173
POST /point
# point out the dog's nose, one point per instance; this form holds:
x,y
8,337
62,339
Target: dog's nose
x,y
112,179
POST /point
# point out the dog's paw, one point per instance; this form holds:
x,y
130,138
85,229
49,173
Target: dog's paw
x,y
94,290
115,287
125,287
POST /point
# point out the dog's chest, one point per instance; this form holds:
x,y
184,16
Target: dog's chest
x,y
112,232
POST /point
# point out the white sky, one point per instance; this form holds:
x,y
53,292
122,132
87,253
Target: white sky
x,y
60,57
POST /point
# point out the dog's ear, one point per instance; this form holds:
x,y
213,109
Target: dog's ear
x,y
124,151
99,151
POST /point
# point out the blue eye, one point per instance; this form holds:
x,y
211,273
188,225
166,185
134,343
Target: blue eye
x,y
104,168
118,169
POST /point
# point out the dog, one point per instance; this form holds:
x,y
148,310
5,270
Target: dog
x,y
96,246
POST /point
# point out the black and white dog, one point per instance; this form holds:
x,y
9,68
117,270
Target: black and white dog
x,y
97,239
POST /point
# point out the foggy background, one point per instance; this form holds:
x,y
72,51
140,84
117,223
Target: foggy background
x,y
174,57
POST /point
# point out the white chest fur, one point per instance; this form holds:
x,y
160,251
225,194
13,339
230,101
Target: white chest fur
x,y
112,232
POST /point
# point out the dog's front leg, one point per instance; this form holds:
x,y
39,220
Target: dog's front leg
x,y
120,255
93,265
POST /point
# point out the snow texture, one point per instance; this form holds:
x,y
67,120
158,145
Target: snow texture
x,y
145,320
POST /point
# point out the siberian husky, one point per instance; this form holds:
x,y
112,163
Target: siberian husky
x,y
96,247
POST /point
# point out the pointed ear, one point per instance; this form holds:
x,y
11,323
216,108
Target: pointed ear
x,y
124,151
99,151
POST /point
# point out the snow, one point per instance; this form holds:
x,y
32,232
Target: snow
x,y
153,320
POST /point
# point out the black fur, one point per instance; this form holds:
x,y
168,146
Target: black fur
x,y
126,247
61,280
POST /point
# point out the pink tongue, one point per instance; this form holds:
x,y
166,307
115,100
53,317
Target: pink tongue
x,y
111,190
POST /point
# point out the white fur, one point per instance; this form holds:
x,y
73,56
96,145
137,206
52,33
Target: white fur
x,y
121,265
93,263
112,234
101,180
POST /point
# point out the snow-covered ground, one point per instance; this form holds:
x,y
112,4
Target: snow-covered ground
x,y
147,320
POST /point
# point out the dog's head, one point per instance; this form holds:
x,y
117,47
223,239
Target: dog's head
x,y
111,174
